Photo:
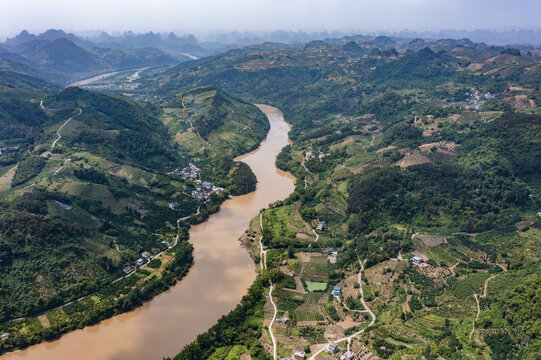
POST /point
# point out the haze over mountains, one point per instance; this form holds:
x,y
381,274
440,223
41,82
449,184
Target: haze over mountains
x,y
58,57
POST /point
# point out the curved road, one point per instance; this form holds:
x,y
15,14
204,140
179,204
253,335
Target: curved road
x,y
263,264
65,123
349,338
485,289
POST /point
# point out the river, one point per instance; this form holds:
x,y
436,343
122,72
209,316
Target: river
x,y
222,273
93,79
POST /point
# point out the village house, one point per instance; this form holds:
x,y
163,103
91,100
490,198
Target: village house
x,y
140,262
167,243
417,260
156,250
173,205
207,185
4,336
128,269
348,355
336,290
321,225
333,257
299,355
145,254
333,348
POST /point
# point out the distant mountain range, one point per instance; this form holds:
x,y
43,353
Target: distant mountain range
x,y
27,60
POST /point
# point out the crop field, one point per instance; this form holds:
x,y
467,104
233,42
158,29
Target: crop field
x,y
317,269
308,313
5,178
441,255
470,285
277,219
315,286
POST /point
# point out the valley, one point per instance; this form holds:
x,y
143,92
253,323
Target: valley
x,y
384,204
221,274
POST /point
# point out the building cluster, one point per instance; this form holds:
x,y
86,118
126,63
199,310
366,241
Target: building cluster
x,y
310,155
145,255
321,225
477,99
282,320
190,172
204,189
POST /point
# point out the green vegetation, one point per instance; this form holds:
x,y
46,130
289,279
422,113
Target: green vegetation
x,y
421,159
316,286
425,152
74,220
27,169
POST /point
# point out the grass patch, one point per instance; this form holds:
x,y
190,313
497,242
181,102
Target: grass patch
x,y
316,286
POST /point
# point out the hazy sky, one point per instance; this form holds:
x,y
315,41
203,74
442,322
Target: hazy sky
x,y
201,15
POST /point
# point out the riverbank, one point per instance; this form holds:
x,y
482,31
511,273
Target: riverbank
x,y
213,287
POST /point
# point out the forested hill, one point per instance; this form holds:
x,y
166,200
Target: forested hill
x,y
421,150
213,128
88,183
115,128
221,123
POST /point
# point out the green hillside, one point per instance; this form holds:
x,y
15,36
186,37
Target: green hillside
x,y
87,184
219,123
431,152
212,127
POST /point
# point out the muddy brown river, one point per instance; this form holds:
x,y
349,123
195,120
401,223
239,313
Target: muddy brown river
x,y
222,273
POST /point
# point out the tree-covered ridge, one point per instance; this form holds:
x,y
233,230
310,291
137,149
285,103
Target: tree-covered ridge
x,y
85,190
398,152
116,128
222,123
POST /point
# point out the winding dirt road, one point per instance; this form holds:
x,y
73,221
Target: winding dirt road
x,y
263,264
367,309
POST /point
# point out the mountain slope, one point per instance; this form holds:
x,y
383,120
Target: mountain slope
x,y
221,123
60,55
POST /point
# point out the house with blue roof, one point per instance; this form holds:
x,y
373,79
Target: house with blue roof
x,y
336,290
